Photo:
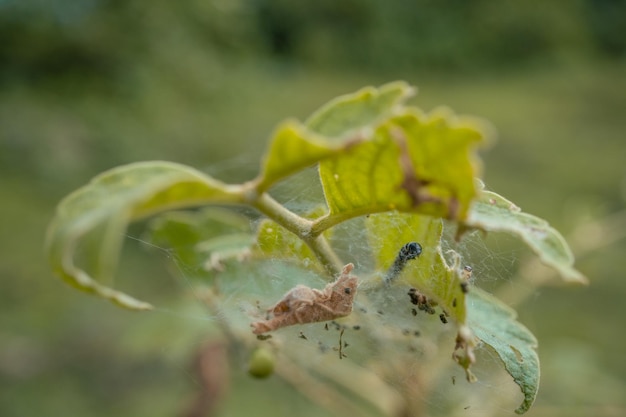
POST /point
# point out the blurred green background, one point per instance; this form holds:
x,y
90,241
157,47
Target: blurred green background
x,y
86,85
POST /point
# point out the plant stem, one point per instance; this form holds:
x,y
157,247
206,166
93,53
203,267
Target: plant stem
x,y
326,255
323,223
301,227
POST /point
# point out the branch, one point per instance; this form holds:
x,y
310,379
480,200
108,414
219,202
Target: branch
x,y
302,228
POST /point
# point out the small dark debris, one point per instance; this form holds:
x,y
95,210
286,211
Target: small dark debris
x,y
325,326
427,308
443,318
347,290
414,312
454,302
263,336
356,327
421,301
465,287
302,336
406,332
337,325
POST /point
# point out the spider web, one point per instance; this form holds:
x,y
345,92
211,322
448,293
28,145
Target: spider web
x,y
415,351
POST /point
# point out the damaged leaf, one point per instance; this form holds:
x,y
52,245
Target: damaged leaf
x,y
492,212
412,163
303,304
494,323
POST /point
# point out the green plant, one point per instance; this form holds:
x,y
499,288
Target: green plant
x,y
390,175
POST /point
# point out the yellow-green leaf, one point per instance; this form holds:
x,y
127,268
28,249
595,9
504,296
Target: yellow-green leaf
x,y
292,148
295,147
492,212
494,323
347,114
100,212
274,241
429,273
414,162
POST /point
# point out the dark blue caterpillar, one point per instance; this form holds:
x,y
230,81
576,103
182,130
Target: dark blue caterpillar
x,y
409,251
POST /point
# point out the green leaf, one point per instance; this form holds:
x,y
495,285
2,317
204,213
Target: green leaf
x,y
202,238
492,212
274,241
294,146
414,162
429,273
346,114
494,323
101,210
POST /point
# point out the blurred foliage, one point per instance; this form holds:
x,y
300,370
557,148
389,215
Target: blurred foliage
x,y
65,38
132,56
87,85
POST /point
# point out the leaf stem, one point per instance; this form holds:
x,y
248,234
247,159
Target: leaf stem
x,y
321,224
301,227
325,253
